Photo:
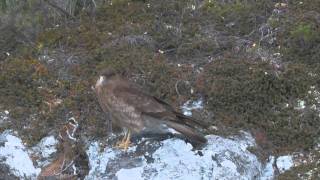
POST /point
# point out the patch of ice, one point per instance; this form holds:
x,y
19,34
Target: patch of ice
x,y
188,106
301,104
16,157
98,160
44,150
47,146
222,158
268,171
4,116
132,174
284,163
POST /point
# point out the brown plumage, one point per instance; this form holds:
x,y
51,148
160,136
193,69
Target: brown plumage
x,y
132,108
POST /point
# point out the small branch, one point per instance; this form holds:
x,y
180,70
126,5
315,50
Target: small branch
x,y
59,9
176,86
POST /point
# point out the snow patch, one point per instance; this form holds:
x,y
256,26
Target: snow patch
x,y
221,158
301,105
188,106
47,146
268,172
98,160
284,163
14,154
4,116
44,150
132,174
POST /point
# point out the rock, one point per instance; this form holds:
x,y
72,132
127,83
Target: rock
x,y
221,158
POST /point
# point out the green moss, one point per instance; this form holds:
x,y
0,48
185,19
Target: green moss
x,y
19,82
245,94
299,32
304,31
308,170
239,17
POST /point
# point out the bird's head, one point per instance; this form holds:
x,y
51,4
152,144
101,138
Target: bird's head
x,y
108,73
105,75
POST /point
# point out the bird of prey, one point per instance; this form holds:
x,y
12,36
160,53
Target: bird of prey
x,y
140,113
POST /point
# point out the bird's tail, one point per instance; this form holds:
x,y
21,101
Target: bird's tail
x,y
195,138
191,121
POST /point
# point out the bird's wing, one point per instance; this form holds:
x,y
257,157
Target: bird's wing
x,y
152,106
142,101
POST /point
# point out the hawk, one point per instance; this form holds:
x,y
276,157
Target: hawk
x,y
138,112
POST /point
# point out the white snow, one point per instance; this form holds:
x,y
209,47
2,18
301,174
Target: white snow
x,y
47,146
98,160
132,174
188,106
4,116
284,163
44,150
301,105
222,158
16,157
268,171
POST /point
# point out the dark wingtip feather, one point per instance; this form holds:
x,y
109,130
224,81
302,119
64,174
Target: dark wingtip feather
x,y
191,120
195,138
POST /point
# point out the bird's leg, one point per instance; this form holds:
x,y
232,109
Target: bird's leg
x,y
109,123
125,142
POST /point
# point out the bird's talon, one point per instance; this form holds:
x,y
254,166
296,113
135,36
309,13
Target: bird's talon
x,y
124,143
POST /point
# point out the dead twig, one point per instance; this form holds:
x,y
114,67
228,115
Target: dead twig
x,y
59,9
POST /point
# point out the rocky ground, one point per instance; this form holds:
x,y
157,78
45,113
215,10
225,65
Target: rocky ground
x,y
248,68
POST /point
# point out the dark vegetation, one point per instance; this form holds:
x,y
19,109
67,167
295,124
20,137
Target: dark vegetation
x,y
225,50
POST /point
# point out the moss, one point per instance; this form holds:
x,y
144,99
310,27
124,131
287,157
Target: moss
x,y
299,32
19,82
27,88
246,94
239,17
304,31
305,170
